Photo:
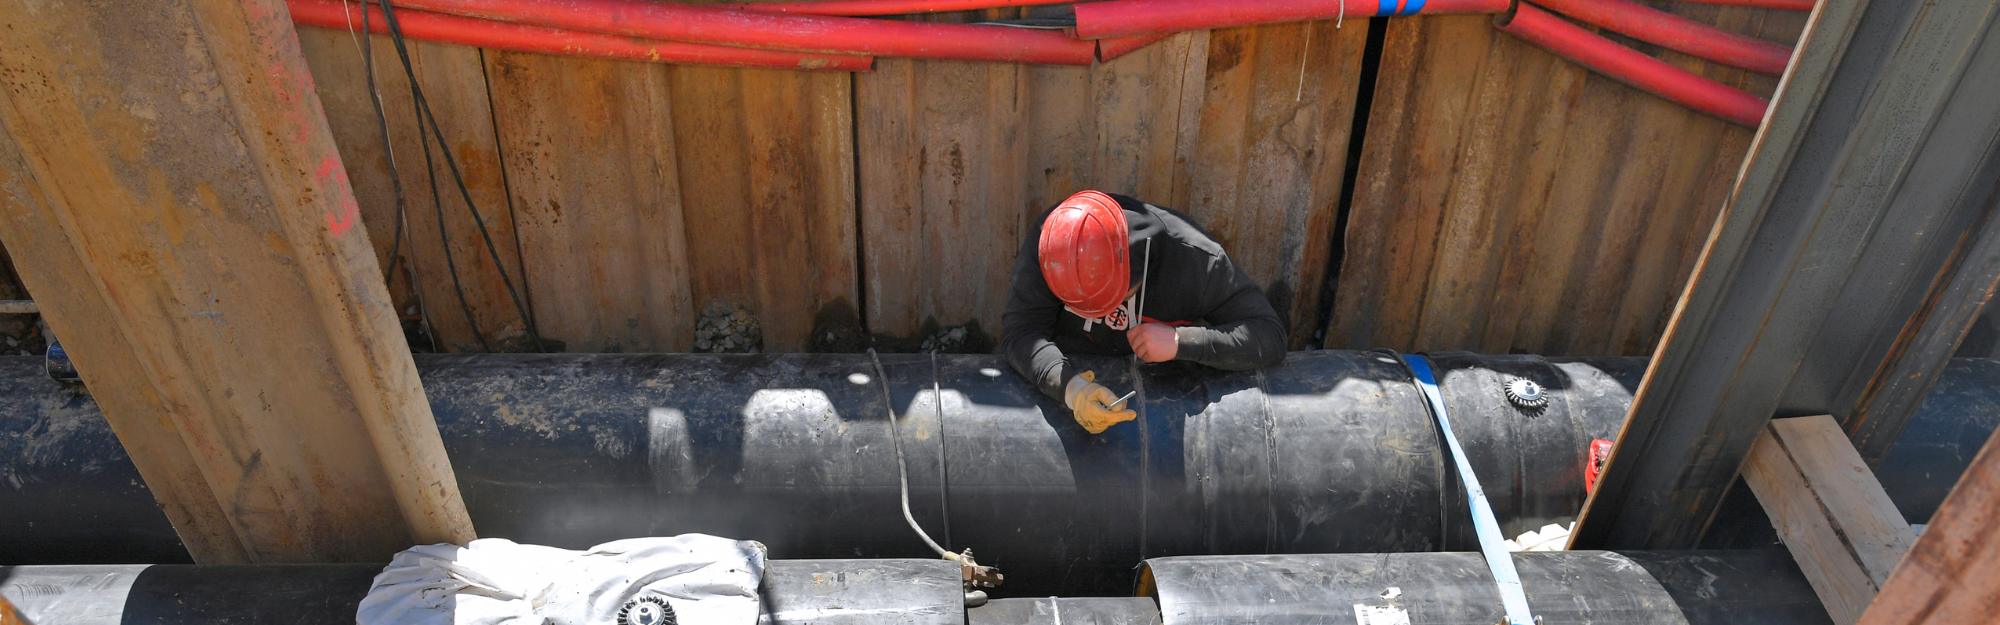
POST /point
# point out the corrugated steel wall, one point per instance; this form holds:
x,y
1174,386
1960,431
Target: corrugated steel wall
x,y
1510,201
1505,200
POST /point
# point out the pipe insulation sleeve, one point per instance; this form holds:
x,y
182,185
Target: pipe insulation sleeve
x,y
1604,56
1677,33
1122,18
466,31
777,31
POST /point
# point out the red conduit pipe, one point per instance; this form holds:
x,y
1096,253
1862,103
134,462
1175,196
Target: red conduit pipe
x,y
853,8
1628,66
1677,33
1115,47
468,31
1122,18
798,33
1787,5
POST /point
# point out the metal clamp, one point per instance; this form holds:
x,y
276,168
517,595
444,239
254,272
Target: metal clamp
x,y
1498,560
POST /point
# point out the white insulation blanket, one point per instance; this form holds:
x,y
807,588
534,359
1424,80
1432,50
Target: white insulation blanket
x,y
492,581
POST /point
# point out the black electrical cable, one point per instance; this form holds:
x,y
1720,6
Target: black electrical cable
x,y
421,106
944,473
444,238
903,467
395,173
424,115
382,121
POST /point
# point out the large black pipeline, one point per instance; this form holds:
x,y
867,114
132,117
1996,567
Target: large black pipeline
x,y
829,592
1330,453
1747,587
1066,611
1757,587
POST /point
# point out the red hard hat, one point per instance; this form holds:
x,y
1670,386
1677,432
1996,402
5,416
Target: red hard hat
x,y
1085,253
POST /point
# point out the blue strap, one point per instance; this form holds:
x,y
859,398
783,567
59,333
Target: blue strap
x,y
1498,560
1387,8
1413,7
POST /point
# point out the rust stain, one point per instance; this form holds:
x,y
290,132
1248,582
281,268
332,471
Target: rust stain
x,y
276,244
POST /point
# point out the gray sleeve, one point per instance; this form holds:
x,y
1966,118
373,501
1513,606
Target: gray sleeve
x,y
1029,321
1244,332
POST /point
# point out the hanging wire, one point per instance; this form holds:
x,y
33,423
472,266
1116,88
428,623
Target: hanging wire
x,y
944,475
902,466
382,122
367,50
424,115
1306,54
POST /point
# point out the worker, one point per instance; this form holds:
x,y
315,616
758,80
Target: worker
x,y
1081,286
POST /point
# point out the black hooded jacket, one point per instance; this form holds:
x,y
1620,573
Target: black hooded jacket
x,y
1224,319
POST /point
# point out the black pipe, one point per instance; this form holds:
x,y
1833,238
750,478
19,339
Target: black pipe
x,y
1066,611
1706,588
1755,587
1331,452
829,592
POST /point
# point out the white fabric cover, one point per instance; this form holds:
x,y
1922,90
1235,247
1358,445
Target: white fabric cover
x,y
495,581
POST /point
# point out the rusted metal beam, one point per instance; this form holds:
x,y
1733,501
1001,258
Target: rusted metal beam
x,y
169,190
1857,247
1952,574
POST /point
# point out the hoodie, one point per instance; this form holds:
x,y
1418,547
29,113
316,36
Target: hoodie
x,y
1222,319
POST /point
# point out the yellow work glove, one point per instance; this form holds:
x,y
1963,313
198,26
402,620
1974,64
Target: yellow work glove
x,y
1091,403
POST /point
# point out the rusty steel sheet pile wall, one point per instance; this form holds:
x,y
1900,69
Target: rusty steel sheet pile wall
x,y
455,84
1507,200
1245,129
1511,201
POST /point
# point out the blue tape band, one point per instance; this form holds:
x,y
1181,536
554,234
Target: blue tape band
x,y
1413,7
1388,8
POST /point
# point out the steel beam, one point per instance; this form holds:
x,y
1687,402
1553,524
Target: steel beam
x,y
1856,249
170,192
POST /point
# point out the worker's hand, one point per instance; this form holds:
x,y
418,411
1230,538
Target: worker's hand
x,y
1154,342
1091,403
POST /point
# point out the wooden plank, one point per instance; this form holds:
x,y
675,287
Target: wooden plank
x,y
186,220
454,81
589,156
1835,518
1270,150
1949,574
1510,201
1876,532
766,167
